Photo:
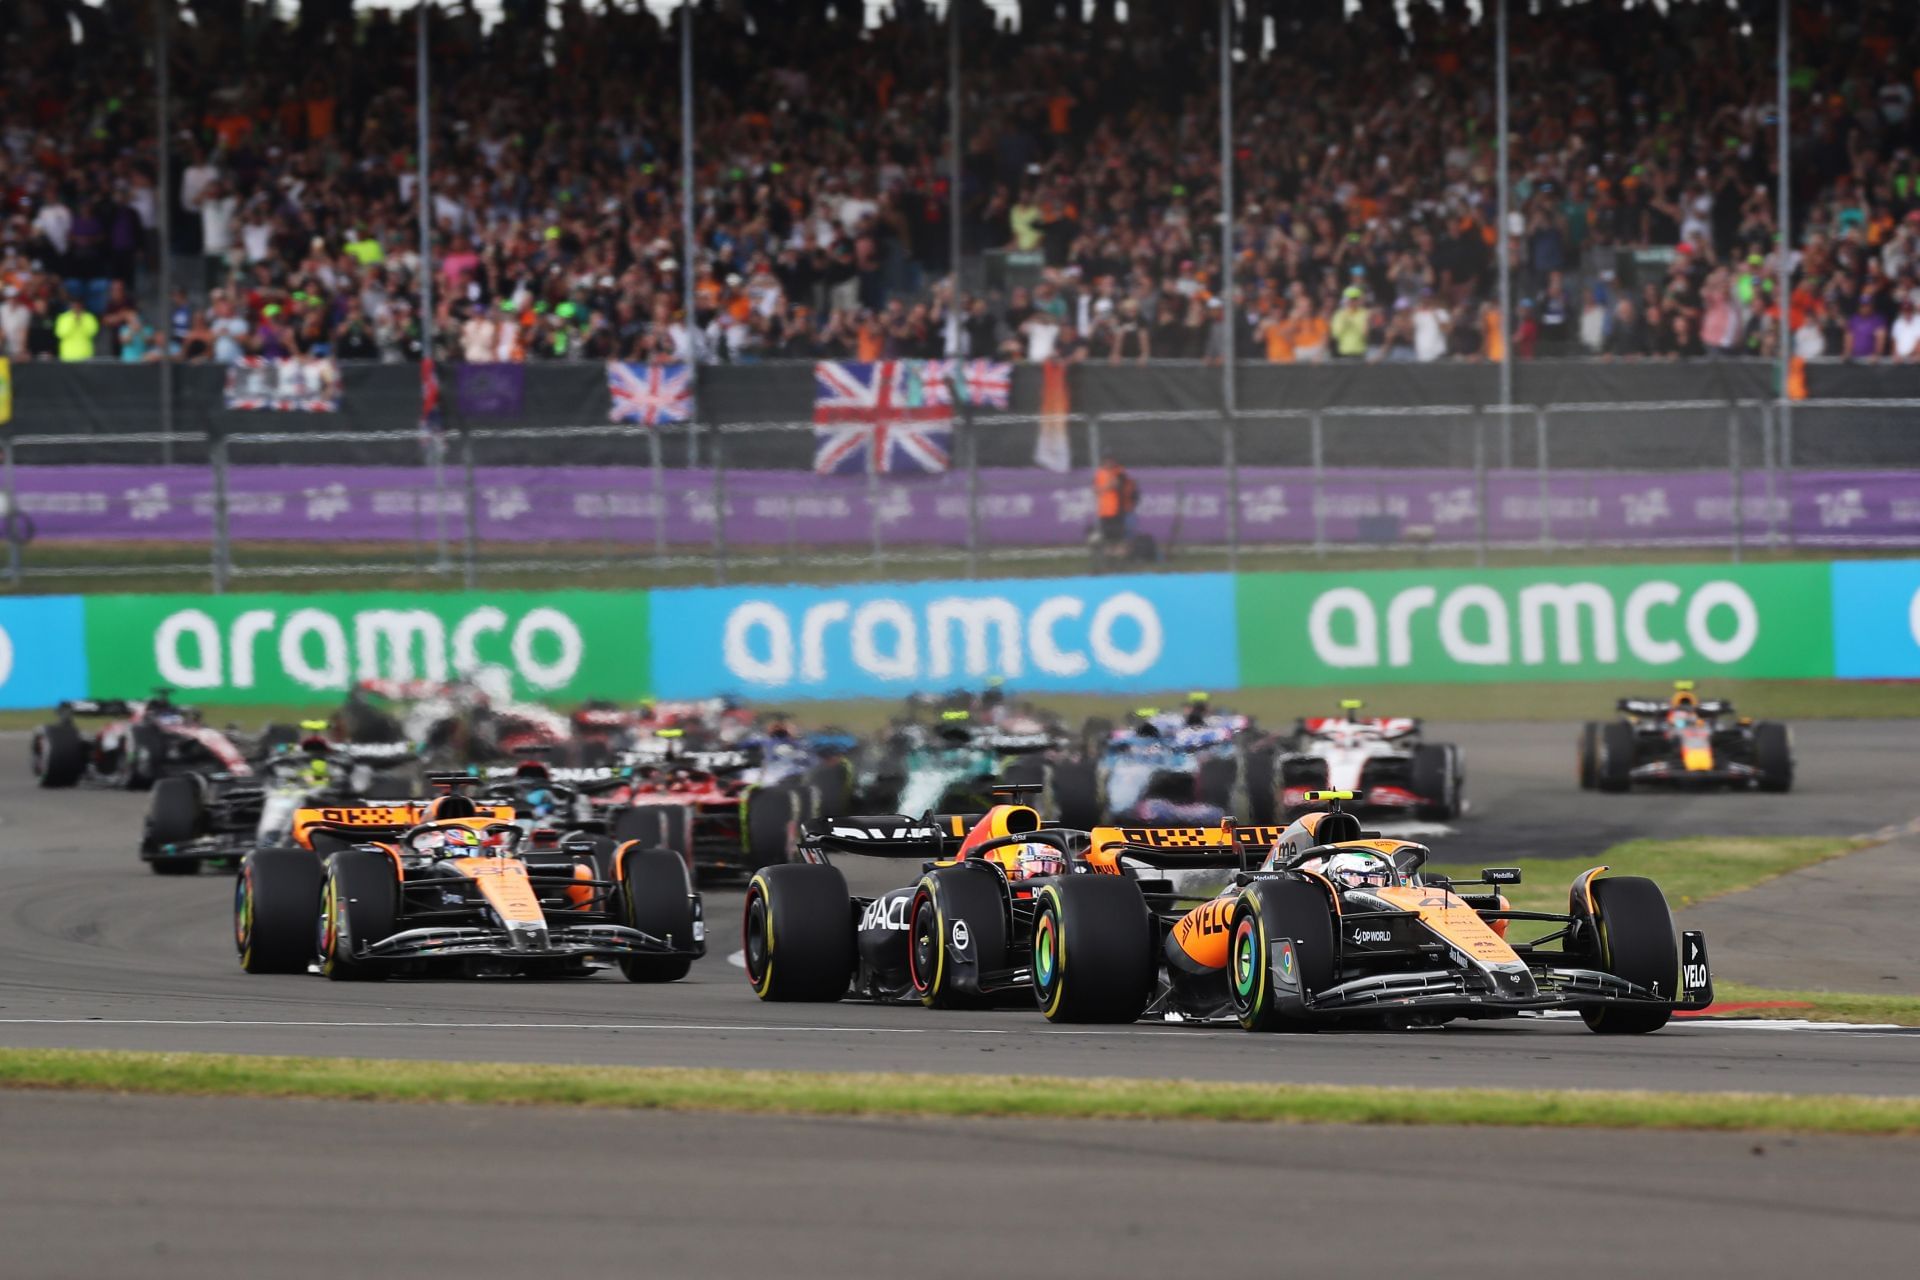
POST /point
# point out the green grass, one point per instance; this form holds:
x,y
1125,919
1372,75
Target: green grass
x,y
1819,1006
848,1094
1688,870
1568,703
124,567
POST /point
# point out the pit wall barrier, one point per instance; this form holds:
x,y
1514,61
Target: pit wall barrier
x,y
1856,620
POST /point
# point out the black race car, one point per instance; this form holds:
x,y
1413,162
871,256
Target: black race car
x,y
142,741
1684,741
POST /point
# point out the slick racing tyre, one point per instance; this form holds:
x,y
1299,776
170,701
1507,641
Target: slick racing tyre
x,y
1076,794
1773,756
956,932
1635,934
1436,780
1615,765
656,897
1263,799
1589,766
359,903
1281,931
138,754
276,897
1024,772
832,787
797,933
657,826
174,816
1092,949
59,755
767,820
1213,783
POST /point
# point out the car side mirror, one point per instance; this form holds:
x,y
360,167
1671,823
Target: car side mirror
x,y
1500,875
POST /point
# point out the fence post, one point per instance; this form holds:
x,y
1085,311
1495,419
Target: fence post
x,y
659,497
972,432
1768,462
1733,465
1546,487
873,505
719,504
1230,460
1317,444
1480,484
222,555
1786,458
1506,437
442,561
470,505
13,524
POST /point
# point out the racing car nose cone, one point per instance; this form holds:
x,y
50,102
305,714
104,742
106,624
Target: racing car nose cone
x,y
529,937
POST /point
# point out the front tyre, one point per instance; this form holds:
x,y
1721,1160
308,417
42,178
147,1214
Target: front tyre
x,y
359,904
275,897
1614,768
1589,764
1636,941
1773,756
797,933
1092,950
1281,935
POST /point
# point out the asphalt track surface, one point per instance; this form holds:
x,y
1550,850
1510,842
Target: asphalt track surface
x,y
95,952
195,1188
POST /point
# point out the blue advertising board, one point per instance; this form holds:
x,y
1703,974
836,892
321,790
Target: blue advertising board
x,y
1108,634
1876,619
43,652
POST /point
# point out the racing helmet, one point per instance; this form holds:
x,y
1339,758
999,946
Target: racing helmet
x,y
542,803
1031,861
532,771
1358,871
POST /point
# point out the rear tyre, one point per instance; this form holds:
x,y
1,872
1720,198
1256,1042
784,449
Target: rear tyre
x,y
955,909
1773,756
1213,785
1263,800
1024,772
1436,781
1614,770
1092,949
797,933
1076,794
275,899
1094,736
137,756
656,897
359,903
768,820
832,787
657,826
1589,767
59,755
1636,939
1267,916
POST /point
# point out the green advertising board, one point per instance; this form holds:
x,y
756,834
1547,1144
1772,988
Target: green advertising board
x,y
1465,625
293,649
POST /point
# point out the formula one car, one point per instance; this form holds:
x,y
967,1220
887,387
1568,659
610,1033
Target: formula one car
x,y
1335,926
451,889
1684,742
1382,760
143,741
218,817
1173,768
949,763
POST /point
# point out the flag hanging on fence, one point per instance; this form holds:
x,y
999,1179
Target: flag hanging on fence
x,y
650,393
982,383
490,390
879,417
297,384
1053,449
432,421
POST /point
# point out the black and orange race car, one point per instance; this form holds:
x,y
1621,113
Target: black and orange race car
x,y
1333,925
1684,741
454,888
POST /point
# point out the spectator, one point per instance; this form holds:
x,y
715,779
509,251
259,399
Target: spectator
x,y
1866,332
1431,323
1349,325
1906,331
15,317
75,330
1116,497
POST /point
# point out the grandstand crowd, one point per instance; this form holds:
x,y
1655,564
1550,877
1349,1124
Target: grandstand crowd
x,y
1644,184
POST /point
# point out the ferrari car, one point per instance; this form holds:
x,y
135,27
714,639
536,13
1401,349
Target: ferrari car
x,y
451,888
1384,761
1684,741
1334,925
142,741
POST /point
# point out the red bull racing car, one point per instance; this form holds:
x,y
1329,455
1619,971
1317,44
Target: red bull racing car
x,y
1684,741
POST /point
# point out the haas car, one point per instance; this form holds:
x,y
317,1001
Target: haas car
x,y
1684,741
1334,925
452,888
142,742
1385,763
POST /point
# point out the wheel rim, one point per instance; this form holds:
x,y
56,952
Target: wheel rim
x,y
329,923
1246,962
755,941
243,911
923,951
1045,963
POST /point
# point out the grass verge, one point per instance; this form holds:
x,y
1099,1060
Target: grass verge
x,y
1688,870
1817,1006
803,1093
1567,703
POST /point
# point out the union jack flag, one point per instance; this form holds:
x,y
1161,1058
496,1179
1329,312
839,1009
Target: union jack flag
x,y
881,417
982,382
650,393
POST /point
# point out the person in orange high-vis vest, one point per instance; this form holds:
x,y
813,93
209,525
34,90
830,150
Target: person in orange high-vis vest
x,y
1115,496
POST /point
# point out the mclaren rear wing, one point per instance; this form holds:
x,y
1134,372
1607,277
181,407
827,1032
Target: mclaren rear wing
x,y
1187,848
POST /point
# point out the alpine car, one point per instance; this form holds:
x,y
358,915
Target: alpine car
x,y
1335,926
1683,741
1383,760
142,741
1178,767
451,888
